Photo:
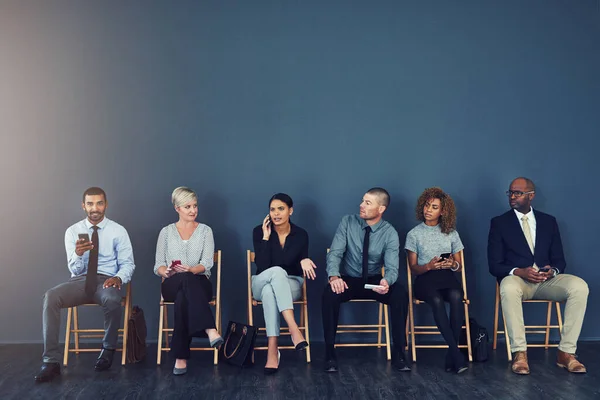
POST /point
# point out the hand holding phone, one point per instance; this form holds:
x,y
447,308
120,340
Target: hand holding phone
x,y
266,227
369,286
446,260
173,267
83,244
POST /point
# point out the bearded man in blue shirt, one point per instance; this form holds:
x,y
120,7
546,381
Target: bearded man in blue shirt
x,y
99,267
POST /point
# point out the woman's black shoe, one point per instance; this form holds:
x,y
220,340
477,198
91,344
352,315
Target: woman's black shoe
x,y
270,370
455,362
449,364
302,345
400,364
462,369
331,365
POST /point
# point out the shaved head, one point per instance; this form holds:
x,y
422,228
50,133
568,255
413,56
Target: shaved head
x,y
520,194
529,185
383,197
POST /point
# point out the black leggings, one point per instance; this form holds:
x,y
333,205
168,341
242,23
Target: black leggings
x,y
449,327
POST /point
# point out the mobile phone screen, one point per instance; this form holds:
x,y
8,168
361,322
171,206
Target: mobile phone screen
x,y
84,236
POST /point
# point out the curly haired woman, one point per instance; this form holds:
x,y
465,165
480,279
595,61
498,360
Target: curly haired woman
x,y
432,248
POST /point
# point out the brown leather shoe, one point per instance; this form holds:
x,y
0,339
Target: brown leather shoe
x,y
520,365
570,362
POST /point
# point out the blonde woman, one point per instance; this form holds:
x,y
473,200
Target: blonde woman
x,y
184,258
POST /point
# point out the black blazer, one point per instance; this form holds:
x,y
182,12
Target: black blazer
x,y
508,248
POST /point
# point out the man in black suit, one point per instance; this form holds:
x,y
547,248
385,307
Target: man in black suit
x,y
525,254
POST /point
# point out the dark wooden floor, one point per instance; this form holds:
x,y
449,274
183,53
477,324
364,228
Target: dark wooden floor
x,y
364,374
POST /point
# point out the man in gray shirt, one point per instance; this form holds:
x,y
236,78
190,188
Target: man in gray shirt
x,y
349,268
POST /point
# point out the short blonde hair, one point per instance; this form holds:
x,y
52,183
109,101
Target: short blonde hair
x,y
182,196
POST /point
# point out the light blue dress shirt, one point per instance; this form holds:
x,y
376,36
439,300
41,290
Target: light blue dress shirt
x,y
115,255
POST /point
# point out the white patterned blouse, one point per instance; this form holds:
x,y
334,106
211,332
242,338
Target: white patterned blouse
x,y
198,249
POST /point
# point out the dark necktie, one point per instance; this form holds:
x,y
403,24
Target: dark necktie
x,y
365,260
91,279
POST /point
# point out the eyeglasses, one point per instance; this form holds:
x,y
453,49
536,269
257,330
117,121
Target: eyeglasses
x,y
517,193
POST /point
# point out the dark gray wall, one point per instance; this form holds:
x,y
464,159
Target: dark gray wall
x,y
321,100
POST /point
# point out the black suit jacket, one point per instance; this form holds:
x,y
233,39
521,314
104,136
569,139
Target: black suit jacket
x,y
508,248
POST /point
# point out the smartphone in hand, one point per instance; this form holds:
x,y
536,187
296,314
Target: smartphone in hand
x,y
84,236
445,256
369,286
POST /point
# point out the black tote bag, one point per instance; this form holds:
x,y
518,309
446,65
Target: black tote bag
x,y
239,344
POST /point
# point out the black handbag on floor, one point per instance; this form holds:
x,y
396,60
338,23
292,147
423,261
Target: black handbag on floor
x,y
239,344
479,341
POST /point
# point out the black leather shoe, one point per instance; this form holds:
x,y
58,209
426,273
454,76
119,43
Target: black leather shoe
x,y
48,372
400,364
331,365
105,360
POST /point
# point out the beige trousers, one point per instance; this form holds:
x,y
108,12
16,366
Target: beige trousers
x,y
563,287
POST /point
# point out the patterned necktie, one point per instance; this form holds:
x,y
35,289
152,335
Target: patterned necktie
x,y
527,232
91,278
365,259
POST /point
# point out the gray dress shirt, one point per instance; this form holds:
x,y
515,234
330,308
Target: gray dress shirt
x,y
345,255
